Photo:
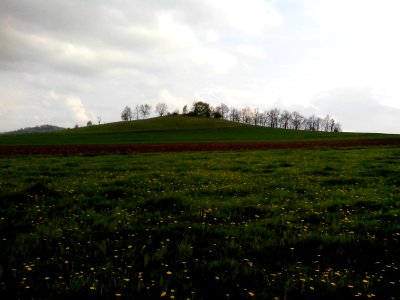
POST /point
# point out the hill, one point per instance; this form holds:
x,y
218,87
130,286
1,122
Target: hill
x,y
36,129
178,129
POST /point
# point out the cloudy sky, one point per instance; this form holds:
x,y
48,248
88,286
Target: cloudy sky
x,y
67,62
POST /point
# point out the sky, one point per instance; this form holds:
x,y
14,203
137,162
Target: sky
x,y
67,62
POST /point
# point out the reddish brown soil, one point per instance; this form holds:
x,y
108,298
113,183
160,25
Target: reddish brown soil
x,y
228,146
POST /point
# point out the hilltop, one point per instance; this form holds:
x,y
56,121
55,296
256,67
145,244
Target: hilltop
x,y
36,129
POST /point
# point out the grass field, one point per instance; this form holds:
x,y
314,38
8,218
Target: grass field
x,y
295,224
177,129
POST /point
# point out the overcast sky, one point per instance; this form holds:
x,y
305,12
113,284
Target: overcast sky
x,y
67,62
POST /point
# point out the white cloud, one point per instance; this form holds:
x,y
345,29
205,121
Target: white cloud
x,y
252,51
252,18
70,103
76,106
173,102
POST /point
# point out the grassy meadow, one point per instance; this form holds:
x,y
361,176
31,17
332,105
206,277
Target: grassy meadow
x,y
278,224
178,129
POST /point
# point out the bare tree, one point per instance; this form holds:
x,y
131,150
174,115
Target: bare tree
x,y
296,120
326,123
256,116
144,110
285,119
246,115
224,110
273,117
234,115
313,123
99,119
136,112
337,128
126,114
332,125
263,119
161,109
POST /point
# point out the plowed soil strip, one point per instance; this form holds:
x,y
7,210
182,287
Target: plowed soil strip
x,y
223,146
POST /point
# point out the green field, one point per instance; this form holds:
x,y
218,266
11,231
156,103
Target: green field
x,y
177,129
276,224
295,224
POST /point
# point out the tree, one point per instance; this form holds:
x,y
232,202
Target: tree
x,y
126,114
89,123
224,110
144,110
99,119
325,123
257,116
285,119
273,117
246,115
337,128
297,120
201,109
137,112
313,123
161,109
234,115
221,112
185,110
332,125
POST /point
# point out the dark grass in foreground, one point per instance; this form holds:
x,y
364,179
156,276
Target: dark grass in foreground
x,y
296,224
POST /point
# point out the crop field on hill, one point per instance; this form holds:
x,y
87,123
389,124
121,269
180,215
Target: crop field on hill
x,y
295,224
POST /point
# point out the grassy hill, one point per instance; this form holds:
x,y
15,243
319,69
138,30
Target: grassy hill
x,y
176,129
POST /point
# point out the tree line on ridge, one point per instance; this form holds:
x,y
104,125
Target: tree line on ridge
x,y
273,118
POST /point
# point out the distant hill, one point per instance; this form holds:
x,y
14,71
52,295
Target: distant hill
x,y
41,128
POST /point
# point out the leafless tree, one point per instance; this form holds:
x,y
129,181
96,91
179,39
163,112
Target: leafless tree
x,y
144,110
311,123
137,112
234,115
126,114
99,119
332,125
337,128
326,123
273,117
296,119
161,109
284,119
224,110
246,115
257,116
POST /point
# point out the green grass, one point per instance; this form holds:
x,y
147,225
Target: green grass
x,y
176,129
303,224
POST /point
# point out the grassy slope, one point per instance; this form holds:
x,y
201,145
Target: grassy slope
x,y
175,129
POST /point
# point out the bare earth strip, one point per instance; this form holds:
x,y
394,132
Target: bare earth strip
x,y
223,146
